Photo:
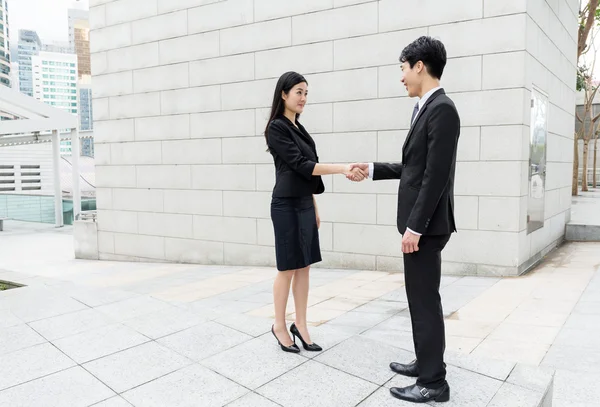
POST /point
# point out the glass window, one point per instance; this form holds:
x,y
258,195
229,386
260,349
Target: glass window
x,y
44,62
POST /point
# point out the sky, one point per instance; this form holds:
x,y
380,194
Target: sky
x,y
47,17
588,58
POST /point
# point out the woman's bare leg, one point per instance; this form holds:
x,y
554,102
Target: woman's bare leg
x,y
300,287
281,292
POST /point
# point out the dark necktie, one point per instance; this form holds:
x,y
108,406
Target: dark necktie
x,y
415,111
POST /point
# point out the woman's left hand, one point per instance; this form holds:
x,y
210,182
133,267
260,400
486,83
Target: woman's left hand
x,y
318,220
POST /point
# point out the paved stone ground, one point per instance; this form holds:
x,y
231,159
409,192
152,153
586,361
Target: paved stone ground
x,y
584,209
117,334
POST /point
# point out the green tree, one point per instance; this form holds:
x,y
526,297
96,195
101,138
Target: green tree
x,y
589,15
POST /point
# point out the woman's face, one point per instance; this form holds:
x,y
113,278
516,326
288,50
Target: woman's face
x,y
296,98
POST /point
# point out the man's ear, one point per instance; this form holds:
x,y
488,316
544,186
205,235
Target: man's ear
x,y
420,66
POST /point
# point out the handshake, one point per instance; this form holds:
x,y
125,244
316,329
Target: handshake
x,y
357,172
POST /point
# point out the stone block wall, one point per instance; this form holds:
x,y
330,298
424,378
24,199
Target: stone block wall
x,y
182,90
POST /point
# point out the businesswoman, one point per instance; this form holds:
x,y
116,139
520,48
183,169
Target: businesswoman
x,y
294,210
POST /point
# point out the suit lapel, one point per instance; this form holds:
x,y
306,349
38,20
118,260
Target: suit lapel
x,y
300,133
419,115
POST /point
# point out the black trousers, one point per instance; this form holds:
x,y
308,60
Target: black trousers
x,y
422,274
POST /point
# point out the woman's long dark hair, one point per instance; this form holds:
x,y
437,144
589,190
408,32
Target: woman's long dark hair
x,y
285,83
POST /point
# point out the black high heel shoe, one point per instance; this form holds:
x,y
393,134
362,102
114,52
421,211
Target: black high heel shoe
x,y
312,347
293,348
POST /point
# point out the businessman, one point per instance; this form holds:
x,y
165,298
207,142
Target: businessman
x,y
425,213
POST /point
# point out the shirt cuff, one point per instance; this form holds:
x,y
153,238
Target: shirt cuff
x,y
371,170
413,232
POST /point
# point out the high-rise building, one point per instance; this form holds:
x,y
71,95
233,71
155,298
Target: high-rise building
x,y
55,83
85,103
85,114
61,47
79,39
14,75
5,77
29,46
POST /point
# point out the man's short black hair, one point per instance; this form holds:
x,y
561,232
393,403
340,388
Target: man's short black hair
x,y
428,50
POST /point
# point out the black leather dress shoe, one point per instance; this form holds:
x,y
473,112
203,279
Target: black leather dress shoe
x,y
410,370
417,394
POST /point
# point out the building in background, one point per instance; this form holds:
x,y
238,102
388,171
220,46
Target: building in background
x,y
86,114
29,46
5,64
61,47
79,39
14,74
56,73
48,72
87,147
55,83
85,103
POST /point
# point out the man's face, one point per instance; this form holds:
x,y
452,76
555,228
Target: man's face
x,y
411,78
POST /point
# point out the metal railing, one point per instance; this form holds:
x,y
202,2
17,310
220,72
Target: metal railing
x,y
88,215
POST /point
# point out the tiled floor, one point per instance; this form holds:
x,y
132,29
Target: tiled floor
x,y
121,334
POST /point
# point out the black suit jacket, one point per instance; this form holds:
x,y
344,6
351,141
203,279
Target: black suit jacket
x,y
426,173
295,156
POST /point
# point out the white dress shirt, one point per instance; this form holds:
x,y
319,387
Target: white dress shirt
x,y
420,103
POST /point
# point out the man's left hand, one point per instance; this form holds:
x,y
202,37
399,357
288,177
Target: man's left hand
x,y
410,242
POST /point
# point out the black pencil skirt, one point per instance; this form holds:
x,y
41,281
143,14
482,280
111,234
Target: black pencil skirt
x,y
296,233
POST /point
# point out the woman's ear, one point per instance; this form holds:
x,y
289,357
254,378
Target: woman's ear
x,y
283,95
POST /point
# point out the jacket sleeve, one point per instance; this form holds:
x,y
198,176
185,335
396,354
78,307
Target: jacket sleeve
x,y
442,139
386,171
280,141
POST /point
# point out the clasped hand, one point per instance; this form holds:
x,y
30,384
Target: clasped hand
x,y
357,172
